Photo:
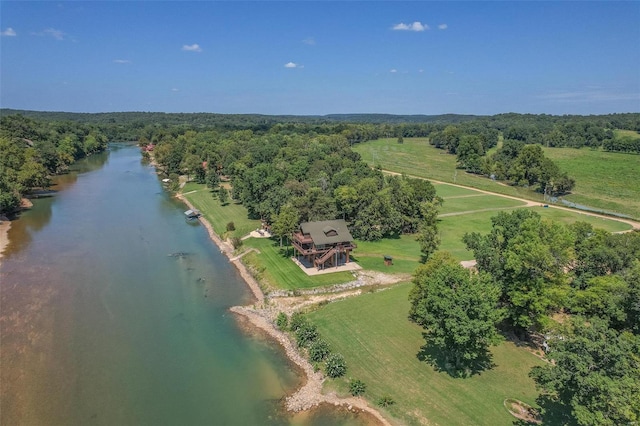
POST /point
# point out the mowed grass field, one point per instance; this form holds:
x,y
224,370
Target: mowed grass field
x,y
604,180
478,202
278,271
404,250
380,347
417,158
217,214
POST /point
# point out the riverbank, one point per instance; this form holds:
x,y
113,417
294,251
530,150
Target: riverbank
x,y
5,225
262,316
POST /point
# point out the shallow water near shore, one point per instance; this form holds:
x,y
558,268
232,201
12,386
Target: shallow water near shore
x,y
114,311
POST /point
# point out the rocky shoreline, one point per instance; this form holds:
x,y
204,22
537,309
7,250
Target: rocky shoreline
x,y
262,316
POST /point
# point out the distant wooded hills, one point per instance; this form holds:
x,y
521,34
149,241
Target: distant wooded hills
x,y
215,118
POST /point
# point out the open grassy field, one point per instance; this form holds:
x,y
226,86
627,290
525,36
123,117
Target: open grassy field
x,y
604,180
447,191
619,133
417,158
381,346
404,250
477,202
217,214
278,271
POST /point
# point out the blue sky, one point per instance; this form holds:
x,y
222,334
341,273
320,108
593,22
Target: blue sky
x,y
321,57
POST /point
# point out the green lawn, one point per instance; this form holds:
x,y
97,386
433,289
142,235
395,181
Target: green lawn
x,y
445,191
278,271
404,250
619,133
479,202
604,180
217,214
417,158
381,346
567,217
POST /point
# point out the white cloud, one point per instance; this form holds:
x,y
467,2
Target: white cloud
x,y
416,26
443,26
192,48
293,65
393,70
57,34
51,32
9,32
122,61
175,90
310,41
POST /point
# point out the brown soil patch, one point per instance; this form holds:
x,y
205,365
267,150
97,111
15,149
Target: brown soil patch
x,y
522,411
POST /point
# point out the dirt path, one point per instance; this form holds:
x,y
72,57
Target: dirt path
x,y
529,203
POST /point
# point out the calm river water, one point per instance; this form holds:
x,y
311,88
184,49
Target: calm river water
x,y
114,312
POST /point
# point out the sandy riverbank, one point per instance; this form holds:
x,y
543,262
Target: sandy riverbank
x,y
262,316
4,236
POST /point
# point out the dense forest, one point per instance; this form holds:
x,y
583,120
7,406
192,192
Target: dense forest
x,y
31,151
234,144
304,177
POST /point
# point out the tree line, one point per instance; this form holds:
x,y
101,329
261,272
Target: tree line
x,y
575,287
31,151
285,179
543,129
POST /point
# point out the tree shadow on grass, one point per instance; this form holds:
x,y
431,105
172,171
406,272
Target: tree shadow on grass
x,y
437,357
555,413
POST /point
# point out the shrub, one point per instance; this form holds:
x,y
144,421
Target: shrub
x,y
282,321
335,366
318,350
297,320
357,387
231,226
305,334
236,242
385,401
174,182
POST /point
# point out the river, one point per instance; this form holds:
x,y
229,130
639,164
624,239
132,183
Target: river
x,y
114,311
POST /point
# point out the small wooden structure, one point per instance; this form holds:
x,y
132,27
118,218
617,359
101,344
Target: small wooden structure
x,y
325,243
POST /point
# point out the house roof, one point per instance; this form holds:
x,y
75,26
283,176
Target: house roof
x,y
327,231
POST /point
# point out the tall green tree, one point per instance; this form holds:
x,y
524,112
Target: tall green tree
x,y
286,222
595,375
458,310
223,195
427,235
527,256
